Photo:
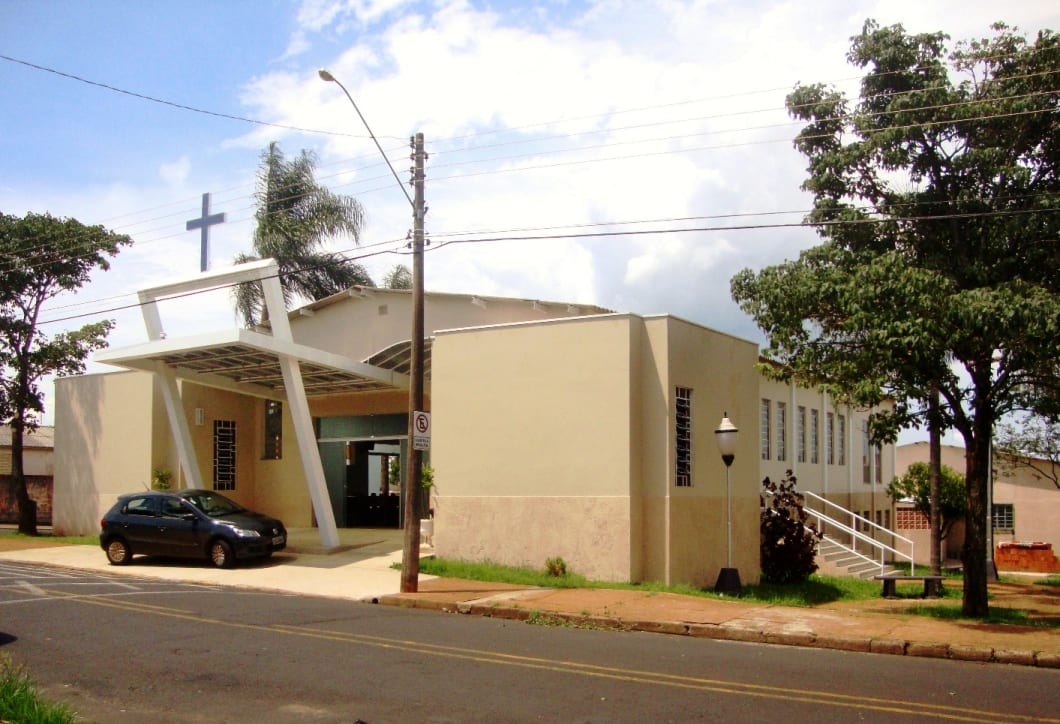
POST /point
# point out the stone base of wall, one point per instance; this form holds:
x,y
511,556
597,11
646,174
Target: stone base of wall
x,y
39,488
1027,557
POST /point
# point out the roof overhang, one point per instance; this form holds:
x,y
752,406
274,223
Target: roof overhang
x,y
248,362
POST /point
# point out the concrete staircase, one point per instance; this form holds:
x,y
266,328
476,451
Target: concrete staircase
x,y
834,559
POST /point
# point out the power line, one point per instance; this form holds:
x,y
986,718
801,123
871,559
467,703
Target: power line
x,y
619,233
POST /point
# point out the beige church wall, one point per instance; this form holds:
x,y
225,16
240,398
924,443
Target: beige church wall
x,y
280,486
719,368
537,407
217,405
527,531
103,433
531,434
651,458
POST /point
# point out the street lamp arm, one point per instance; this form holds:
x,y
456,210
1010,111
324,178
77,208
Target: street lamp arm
x,y
326,75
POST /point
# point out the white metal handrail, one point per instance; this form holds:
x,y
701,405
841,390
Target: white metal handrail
x,y
857,535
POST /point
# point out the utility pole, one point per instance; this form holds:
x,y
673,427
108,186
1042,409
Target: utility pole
x,y
410,556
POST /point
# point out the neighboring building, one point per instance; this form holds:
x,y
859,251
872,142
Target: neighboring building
x,y
557,430
38,467
1025,513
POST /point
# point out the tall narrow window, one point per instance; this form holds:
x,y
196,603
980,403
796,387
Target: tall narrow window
x,y
683,438
866,464
829,438
815,434
841,440
878,454
273,447
224,455
782,431
763,432
800,434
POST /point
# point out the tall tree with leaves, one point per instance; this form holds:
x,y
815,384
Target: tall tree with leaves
x,y
938,198
400,277
42,257
295,217
915,484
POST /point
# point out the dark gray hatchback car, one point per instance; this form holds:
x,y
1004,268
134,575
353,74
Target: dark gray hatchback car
x,y
188,524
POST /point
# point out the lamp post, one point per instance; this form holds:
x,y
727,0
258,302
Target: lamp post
x,y
410,554
726,435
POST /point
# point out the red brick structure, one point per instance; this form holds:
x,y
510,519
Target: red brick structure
x,y
1029,557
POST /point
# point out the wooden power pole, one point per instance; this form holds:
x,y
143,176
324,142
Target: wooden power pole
x,y
410,556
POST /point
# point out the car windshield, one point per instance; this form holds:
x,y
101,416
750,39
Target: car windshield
x,y
214,505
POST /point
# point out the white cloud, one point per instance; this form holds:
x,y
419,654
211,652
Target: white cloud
x,y
176,173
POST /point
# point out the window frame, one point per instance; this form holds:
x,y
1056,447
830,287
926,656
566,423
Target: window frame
x,y
764,429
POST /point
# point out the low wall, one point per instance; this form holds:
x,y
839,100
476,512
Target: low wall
x,y
39,488
1028,557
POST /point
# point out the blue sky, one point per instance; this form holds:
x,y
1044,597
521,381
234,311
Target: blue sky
x,y
554,117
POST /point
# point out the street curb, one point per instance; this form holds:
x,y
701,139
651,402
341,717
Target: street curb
x,y
722,632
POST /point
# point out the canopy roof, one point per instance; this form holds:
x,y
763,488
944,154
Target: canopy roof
x,y
248,362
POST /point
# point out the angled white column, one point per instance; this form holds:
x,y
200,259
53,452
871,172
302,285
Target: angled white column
x,y
299,409
167,385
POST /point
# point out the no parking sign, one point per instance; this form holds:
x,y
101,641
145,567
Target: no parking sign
x,y
421,430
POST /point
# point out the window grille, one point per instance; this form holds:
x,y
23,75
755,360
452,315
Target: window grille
x,y
683,438
224,455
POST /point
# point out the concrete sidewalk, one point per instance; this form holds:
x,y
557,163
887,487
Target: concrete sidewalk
x,y
361,569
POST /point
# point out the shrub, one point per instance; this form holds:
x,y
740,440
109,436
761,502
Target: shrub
x,y
556,567
788,542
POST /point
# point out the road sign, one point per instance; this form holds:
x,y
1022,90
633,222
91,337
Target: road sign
x,y
421,430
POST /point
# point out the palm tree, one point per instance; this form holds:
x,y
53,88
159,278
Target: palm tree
x,y
295,216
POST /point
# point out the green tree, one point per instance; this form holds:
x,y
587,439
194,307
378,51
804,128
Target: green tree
x,y
295,217
42,257
937,197
400,277
916,486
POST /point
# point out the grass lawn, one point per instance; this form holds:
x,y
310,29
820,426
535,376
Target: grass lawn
x,y
817,590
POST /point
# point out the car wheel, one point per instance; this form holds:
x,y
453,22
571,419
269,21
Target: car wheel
x,y
221,554
118,552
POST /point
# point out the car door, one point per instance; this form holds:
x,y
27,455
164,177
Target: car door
x,y
139,523
180,531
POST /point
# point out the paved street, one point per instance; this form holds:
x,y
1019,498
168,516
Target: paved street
x,y
126,648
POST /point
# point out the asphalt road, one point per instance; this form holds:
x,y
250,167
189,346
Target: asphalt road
x,y
134,650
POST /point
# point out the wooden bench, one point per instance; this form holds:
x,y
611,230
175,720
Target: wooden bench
x,y
932,584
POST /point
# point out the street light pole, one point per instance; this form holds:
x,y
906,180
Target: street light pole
x,y
410,555
726,435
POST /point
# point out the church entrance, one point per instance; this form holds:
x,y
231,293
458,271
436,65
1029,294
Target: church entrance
x,y
372,491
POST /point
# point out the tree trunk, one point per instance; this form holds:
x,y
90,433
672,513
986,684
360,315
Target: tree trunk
x,y
973,555
935,484
27,507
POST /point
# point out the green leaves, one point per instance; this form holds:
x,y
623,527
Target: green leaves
x,y
938,198
296,216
